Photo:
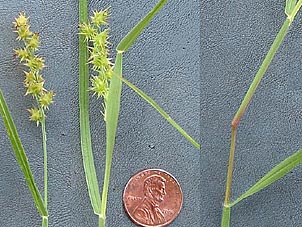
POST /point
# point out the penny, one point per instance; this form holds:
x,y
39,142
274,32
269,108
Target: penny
x,y
152,197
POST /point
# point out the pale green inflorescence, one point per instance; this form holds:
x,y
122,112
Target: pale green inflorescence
x,y
33,82
96,34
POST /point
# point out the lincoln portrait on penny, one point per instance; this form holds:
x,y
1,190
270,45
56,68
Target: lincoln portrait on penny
x,y
148,211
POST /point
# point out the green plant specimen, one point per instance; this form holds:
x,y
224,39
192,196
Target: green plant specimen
x,y
34,84
91,178
21,157
106,82
160,110
291,9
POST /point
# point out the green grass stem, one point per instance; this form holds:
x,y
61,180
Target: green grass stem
x,y
291,13
230,167
102,221
43,126
226,217
44,221
265,64
268,59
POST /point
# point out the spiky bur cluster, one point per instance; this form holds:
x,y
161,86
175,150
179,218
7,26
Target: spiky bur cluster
x,y
33,82
96,34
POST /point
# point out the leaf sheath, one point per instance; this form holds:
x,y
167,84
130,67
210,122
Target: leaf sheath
x,y
226,217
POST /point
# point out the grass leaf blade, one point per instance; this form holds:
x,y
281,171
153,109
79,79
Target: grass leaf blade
x,y
160,110
88,161
129,39
275,174
21,156
289,6
111,117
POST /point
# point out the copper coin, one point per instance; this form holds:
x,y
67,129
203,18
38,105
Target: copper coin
x,y
152,197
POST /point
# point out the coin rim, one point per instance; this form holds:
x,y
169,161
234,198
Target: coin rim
x,y
127,210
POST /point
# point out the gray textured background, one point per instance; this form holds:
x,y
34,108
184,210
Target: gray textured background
x,y
164,62
235,38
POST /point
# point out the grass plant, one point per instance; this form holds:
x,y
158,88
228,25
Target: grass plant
x,y
107,84
291,9
21,157
34,84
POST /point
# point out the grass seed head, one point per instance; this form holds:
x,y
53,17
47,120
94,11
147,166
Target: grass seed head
x,y
88,31
22,53
99,86
46,99
35,63
21,20
33,42
23,32
33,82
35,115
100,18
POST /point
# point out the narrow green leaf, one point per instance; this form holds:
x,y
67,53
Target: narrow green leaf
x,y
129,39
88,161
226,217
275,174
111,117
289,6
160,110
21,156
295,10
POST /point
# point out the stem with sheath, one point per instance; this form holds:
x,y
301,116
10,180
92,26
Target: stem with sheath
x,y
235,122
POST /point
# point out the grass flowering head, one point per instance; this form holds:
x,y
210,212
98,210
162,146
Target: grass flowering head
x,y
99,86
23,33
88,31
100,18
46,98
100,40
35,89
96,34
35,63
34,42
35,115
34,81
22,53
20,21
